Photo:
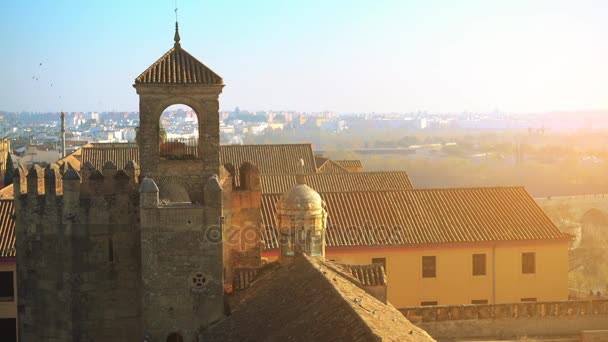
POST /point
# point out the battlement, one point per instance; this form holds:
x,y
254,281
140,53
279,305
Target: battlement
x,y
57,180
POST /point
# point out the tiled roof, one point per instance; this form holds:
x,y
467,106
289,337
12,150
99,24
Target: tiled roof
x,y
308,300
331,167
275,158
6,192
338,182
120,154
7,229
349,163
426,216
177,66
368,275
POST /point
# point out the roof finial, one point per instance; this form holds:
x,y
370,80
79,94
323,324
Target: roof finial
x,y
176,37
301,178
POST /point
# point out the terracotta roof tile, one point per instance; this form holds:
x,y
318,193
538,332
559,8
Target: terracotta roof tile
x,y
308,300
426,216
275,158
349,163
331,167
177,66
120,154
7,229
368,275
338,182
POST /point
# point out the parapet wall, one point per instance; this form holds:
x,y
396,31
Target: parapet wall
x,y
501,321
78,272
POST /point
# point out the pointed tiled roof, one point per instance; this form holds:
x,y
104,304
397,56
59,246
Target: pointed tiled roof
x,y
177,66
311,300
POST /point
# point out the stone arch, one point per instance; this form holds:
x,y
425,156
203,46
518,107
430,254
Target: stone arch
x,y
173,190
180,147
594,227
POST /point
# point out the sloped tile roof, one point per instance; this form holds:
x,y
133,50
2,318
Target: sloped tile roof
x,y
275,158
349,163
368,275
177,66
308,300
338,182
331,167
120,154
272,158
6,192
7,229
426,216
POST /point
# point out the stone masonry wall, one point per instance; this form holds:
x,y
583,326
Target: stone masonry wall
x,y
502,321
78,267
181,256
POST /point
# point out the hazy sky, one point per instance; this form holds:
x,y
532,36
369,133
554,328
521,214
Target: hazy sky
x,y
346,56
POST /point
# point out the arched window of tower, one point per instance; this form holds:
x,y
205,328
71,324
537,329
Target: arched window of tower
x,y
175,337
178,133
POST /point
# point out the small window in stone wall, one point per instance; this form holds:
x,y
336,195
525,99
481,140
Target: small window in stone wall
x,y
528,299
175,337
7,288
110,250
198,281
479,301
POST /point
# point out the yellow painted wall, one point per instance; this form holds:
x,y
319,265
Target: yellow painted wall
x,y
454,282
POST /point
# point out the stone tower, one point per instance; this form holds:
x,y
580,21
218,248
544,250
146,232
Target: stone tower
x,y
302,218
181,239
179,78
100,257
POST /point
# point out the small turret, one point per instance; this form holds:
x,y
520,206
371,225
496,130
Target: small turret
x,y
301,217
148,194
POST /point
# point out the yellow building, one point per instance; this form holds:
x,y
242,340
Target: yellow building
x,y
446,246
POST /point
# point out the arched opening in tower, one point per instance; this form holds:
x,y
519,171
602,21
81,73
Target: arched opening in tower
x,y
178,133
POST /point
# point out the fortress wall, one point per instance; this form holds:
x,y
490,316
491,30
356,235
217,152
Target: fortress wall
x,y
503,321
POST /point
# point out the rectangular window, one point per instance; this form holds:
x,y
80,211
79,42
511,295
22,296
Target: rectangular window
x,y
428,303
479,301
429,267
381,261
479,264
530,299
528,263
7,288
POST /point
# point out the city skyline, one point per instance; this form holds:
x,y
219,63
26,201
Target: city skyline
x,y
391,56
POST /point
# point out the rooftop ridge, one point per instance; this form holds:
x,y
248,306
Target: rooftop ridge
x,y
410,190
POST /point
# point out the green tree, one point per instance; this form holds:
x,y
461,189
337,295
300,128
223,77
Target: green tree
x,y
9,170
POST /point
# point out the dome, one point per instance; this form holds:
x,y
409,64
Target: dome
x,y
301,197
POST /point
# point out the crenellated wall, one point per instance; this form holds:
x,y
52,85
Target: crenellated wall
x,y
78,266
501,321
